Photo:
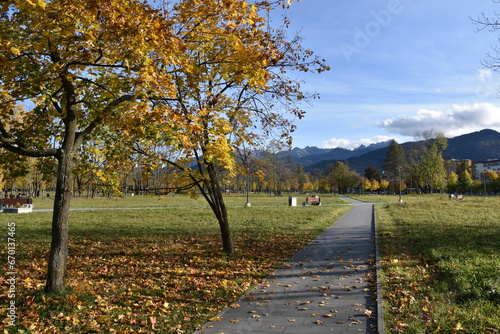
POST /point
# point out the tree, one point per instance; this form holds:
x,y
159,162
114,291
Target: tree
x,y
464,177
366,184
394,161
231,89
431,168
304,184
415,155
2,179
277,167
452,182
372,173
384,185
78,65
425,167
492,24
492,180
341,178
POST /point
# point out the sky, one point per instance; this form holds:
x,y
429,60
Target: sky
x,y
397,67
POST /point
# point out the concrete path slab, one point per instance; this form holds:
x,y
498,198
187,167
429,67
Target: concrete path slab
x,y
328,287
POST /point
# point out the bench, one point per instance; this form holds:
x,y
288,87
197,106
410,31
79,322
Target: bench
x,y
16,205
314,200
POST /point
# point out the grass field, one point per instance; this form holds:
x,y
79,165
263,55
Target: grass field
x,y
151,270
170,201
440,263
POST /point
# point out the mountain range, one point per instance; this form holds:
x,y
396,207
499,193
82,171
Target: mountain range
x,y
476,146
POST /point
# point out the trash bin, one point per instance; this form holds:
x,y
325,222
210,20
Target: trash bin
x,y
292,201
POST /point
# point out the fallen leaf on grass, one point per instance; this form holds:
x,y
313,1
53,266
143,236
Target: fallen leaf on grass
x,y
152,320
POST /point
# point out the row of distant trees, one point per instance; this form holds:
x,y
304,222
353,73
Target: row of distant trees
x,y
421,169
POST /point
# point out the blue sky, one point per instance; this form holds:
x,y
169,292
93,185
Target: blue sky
x,y
397,67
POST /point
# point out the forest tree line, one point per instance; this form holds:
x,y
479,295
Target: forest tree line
x,y
421,169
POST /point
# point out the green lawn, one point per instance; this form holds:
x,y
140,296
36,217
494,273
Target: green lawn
x,y
181,201
441,264
152,270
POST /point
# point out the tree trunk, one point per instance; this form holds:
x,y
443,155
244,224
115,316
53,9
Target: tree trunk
x,y
221,213
59,245
216,201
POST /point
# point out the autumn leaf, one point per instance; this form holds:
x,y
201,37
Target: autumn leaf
x,y
152,320
457,328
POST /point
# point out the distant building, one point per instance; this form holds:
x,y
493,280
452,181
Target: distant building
x,y
483,166
452,166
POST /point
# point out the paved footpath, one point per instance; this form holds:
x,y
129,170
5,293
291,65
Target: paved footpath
x,y
323,289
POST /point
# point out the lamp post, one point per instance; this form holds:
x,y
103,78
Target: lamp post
x,y
247,204
484,183
400,186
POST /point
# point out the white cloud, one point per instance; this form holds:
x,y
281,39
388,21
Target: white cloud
x,y
484,74
349,144
459,119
